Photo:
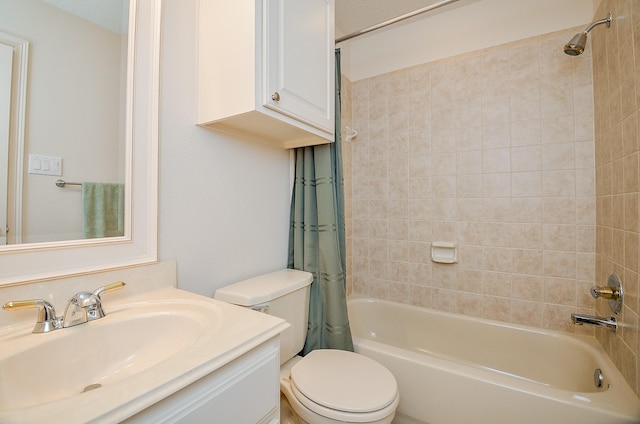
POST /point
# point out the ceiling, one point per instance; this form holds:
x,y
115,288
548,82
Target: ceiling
x,y
355,15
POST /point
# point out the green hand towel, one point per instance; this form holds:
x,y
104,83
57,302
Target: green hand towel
x,y
103,210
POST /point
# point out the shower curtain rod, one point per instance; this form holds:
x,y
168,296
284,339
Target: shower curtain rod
x,y
394,20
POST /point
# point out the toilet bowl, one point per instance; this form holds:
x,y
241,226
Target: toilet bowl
x,y
327,386
335,386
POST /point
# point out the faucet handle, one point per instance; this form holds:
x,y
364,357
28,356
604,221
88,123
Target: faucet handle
x,y
96,311
109,287
612,291
605,292
47,320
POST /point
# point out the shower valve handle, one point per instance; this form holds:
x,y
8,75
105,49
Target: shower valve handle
x,y
605,292
612,291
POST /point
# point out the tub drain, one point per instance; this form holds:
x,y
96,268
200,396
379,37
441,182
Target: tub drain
x,y
598,378
92,387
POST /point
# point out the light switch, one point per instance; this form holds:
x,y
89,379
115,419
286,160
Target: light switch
x,y
45,165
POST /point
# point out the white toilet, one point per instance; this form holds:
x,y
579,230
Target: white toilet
x,y
327,386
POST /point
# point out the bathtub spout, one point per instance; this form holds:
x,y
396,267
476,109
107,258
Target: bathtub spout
x,y
609,322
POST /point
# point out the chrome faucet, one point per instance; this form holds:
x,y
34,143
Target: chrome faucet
x,y
611,323
83,307
86,306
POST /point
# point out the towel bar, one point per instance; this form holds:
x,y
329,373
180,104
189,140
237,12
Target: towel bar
x,y
62,183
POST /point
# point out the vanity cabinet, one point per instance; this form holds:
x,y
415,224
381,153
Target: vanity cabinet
x,y
246,390
266,69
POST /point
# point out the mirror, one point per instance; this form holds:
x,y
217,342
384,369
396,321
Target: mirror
x,y
130,154
71,91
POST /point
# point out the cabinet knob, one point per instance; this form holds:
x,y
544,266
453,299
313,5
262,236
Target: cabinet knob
x,y
275,97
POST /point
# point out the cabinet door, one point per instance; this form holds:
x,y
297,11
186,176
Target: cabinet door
x,y
299,60
246,390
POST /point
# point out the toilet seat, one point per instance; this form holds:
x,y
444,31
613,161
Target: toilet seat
x,y
344,386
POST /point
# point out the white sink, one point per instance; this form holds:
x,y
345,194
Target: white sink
x,y
61,364
107,369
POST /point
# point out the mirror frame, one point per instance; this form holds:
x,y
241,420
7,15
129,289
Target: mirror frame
x,y
44,261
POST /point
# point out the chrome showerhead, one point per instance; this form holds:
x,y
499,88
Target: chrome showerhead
x,y
579,41
576,45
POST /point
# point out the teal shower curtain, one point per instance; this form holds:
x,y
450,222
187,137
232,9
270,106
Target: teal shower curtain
x,y
317,237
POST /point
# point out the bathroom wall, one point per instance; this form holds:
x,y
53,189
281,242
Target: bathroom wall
x,y
492,150
616,94
224,201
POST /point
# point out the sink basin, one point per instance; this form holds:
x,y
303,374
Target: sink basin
x,y
68,362
141,352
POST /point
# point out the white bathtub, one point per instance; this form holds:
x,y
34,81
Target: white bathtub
x,y
453,369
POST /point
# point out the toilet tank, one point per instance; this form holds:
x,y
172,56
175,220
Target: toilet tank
x,y
284,294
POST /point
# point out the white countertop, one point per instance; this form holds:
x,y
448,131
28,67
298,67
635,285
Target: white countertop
x,y
234,331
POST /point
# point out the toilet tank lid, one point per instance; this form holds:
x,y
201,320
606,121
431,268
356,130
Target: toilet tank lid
x,y
264,288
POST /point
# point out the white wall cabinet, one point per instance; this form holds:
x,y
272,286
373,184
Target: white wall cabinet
x,y
266,69
247,390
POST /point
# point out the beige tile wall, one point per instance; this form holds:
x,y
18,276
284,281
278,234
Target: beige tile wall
x,y
616,65
493,150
